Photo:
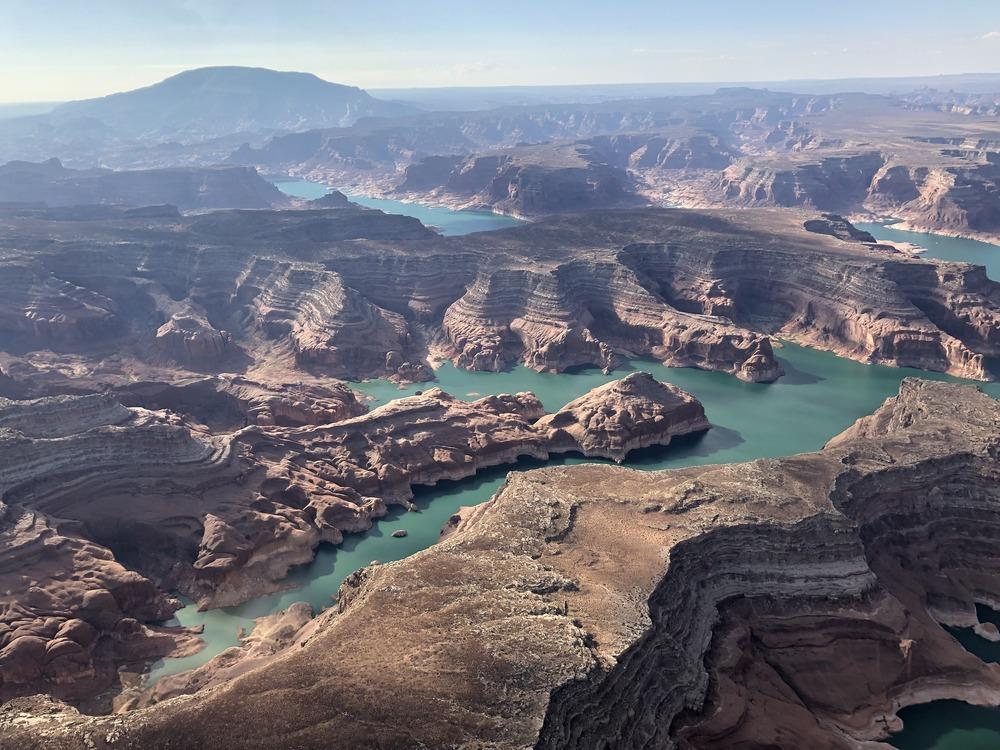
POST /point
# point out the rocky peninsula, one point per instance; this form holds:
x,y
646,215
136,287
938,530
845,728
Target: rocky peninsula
x,y
135,502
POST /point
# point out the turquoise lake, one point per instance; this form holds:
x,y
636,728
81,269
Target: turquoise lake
x,y
447,221
943,248
819,396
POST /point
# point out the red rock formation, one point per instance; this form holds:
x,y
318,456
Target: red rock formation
x,y
788,602
222,517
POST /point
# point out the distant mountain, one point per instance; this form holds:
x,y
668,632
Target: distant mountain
x,y
209,102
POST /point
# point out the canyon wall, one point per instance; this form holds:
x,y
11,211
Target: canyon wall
x,y
790,602
354,293
104,506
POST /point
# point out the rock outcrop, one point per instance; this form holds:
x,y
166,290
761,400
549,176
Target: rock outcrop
x,y
220,503
525,181
789,602
353,293
187,188
230,402
635,412
190,340
69,612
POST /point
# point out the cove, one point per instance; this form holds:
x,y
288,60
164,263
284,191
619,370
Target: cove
x,y
447,221
948,725
987,650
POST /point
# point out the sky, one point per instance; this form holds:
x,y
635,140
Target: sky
x,y
55,50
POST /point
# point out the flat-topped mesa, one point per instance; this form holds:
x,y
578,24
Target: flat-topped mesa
x,y
790,602
635,412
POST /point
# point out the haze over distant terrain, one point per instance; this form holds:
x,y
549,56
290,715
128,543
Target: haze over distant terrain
x,y
63,49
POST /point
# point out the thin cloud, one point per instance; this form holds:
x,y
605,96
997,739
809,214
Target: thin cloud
x,y
992,35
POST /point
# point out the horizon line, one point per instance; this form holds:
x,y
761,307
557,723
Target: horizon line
x,y
731,82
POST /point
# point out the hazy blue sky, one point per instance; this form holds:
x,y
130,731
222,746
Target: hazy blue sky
x,y
62,49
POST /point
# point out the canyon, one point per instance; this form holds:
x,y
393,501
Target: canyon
x,y
921,158
589,603
220,498
255,431
352,293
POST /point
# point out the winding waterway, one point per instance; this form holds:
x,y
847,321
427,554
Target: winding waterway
x,y
820,395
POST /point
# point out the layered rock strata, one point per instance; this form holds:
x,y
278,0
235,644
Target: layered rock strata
x,y
789,602
525,181
635,412
230,402
219,504
279,296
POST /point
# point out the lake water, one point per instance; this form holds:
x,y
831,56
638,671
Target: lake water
x,y
941,247
449,222
948,725
819,396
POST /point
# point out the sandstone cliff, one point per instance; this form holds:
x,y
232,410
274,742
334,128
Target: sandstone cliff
x,y
354,293
525,181
285,295
789,602
221,502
